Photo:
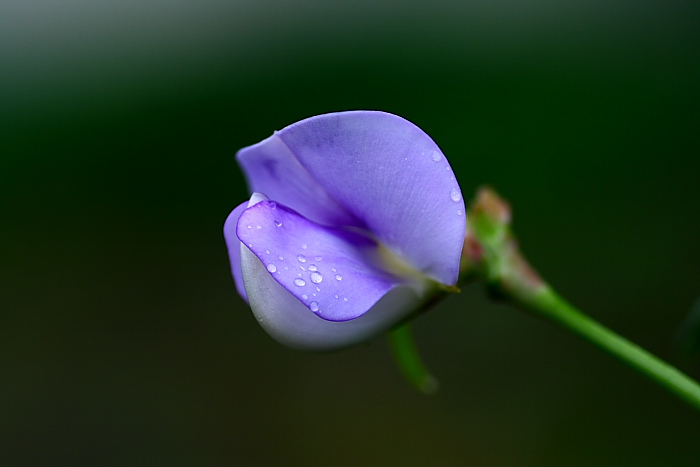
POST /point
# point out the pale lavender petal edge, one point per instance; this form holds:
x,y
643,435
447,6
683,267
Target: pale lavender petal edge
x,y
233,244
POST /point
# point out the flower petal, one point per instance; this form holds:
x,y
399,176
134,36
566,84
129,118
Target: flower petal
x,y
290,322
271,168
373,170
334,273
234,247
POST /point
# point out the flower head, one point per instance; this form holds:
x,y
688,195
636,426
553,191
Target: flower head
x,y
355,218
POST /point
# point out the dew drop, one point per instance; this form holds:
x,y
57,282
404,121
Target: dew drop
x,y
250,226
455,194
304,246
301,258
250,245
318,258
338,277
459,212
318,289
436,156
312,267
336,296
273,205
267,251
334,269
278,223
299,282
316,277
302,267
258,227
313,306
281,258
305,297
271,267
345,299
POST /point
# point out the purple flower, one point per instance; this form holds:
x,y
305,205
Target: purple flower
x,y
355,218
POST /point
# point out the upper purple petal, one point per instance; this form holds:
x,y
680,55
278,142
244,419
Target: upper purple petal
x,y
271,168
371,170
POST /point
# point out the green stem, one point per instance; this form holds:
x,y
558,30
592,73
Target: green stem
x,y
548,303
491,253
409,361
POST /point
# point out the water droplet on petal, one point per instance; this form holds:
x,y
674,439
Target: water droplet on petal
x,y
301,258
250,226
312,267
345,299
302,267
436,156
318,289
278,223
316,277
304,246
319,258
267,251
271,267
281,258
313,306
305,297
258,227
336,295
299,282
338,277
273,205
455,194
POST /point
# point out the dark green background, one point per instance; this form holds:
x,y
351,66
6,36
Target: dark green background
x,y
122,339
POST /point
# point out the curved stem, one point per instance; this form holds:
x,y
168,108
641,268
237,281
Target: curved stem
x,y
408,359
491,253
548,303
